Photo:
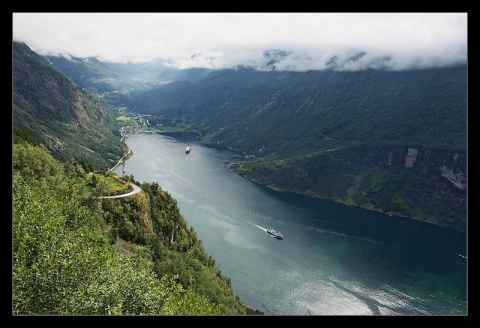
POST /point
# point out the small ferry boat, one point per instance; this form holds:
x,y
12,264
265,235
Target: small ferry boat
x,y
275,234
187,149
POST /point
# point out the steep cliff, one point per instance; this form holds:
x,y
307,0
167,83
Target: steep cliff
x,y
68,121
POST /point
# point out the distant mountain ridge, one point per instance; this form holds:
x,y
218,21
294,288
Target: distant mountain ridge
x,y
117,82
385,140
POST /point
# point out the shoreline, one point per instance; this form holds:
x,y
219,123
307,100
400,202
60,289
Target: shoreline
x,y
275,188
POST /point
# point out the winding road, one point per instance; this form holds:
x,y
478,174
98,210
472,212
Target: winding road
x,y
119,161
136,190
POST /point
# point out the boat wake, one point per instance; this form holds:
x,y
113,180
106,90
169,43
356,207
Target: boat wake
x,y
261,228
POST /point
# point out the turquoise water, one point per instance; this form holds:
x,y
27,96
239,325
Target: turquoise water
x,y
334,259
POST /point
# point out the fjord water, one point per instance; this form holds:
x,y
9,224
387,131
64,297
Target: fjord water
x,y
334,259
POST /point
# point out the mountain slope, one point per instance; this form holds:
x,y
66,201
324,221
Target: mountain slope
x,y
68,121
289,111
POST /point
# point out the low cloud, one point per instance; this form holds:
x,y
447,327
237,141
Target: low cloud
x,y
262,41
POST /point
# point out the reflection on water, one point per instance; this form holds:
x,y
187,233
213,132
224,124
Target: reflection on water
x,y
333,260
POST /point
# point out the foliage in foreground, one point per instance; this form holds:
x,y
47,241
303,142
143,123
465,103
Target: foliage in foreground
x,y
65,261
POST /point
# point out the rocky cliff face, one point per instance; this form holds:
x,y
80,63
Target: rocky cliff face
x,y
448,164
424,184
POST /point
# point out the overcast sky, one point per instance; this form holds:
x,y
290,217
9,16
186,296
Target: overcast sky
x,y
280,41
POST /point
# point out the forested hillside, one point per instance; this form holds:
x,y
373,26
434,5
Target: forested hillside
x,y
291,112
75,253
